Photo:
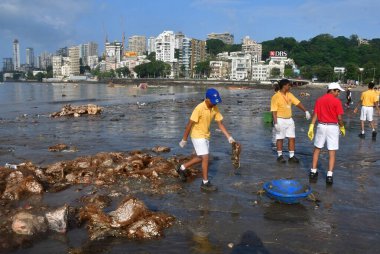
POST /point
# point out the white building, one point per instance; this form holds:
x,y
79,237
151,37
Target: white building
x,y
57,66
260,71
92,61
241,65
165,47
113,55
219,69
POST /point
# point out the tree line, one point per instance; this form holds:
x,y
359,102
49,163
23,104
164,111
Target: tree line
x,y
317,57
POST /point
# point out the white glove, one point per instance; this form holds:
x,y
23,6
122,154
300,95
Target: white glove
x,y
307,115
277,127
182,143
231,140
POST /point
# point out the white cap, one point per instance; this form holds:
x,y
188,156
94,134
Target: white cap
x,y
333,86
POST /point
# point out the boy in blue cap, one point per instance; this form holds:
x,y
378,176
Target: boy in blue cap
x,y
199,129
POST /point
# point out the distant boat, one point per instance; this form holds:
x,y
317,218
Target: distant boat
x,y
143,85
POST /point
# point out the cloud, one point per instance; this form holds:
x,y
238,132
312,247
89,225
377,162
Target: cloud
x,y
40,22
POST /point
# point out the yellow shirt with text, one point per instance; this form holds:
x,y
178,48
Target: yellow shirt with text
x,y
283,104
369,98
202,117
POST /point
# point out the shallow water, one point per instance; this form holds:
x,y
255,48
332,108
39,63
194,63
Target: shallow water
x,y
344,221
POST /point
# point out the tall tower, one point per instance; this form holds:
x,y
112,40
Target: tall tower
x,y
16,55
30,57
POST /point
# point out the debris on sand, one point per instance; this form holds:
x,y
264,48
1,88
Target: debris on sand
x,y
235,156
62,148
131,219
161,149
58,147
77,111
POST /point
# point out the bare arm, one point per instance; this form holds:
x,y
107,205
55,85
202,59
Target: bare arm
x,y
300,106
340,120
314,119
357,106
187,130
223,129
274,113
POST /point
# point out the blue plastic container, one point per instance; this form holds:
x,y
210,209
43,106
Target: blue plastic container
x,y
286,191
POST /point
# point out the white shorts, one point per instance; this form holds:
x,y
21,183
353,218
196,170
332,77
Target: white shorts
x,y
287,128
366,114
201,145
329,133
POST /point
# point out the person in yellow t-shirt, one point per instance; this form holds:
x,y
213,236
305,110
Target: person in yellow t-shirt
x,y
281,107
368,100
199,129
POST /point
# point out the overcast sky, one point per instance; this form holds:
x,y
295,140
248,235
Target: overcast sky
x,y
47,25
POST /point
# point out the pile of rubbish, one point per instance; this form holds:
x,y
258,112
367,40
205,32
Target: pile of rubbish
x,y
77,111
104,172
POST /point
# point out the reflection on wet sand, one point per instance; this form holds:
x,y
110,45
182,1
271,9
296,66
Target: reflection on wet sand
x,y
345,218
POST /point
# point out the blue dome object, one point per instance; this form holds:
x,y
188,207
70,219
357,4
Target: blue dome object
x,y
213,95
286,191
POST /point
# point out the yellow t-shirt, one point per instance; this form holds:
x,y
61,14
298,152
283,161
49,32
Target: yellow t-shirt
x,y
202,117
283,104
369,98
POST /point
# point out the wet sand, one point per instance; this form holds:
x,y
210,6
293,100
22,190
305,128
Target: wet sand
x,y
344,221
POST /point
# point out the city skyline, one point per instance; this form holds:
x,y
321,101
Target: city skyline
x,y
49,25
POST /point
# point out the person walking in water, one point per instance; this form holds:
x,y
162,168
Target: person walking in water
x,y
368,100
328,111
348,97
281,107
199,129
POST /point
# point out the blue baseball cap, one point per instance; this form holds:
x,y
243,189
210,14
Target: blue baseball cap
x,y
213,95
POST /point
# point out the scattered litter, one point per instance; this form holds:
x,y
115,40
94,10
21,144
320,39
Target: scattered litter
x,y
11,166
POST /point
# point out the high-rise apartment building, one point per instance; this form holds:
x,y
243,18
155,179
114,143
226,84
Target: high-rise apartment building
x,y
93,49
184,57
7,64
62,52
151,44
57,66
252,47
83,53
45,60
198,53
164,47
227,38
137,43
74,60
87,50
16,55
30,57
113,52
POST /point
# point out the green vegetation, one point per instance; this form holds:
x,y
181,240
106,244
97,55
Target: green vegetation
x,y
153,69
318,56
203,68
215,46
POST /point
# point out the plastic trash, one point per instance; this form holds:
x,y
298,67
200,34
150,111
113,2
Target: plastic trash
x,y
11,166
